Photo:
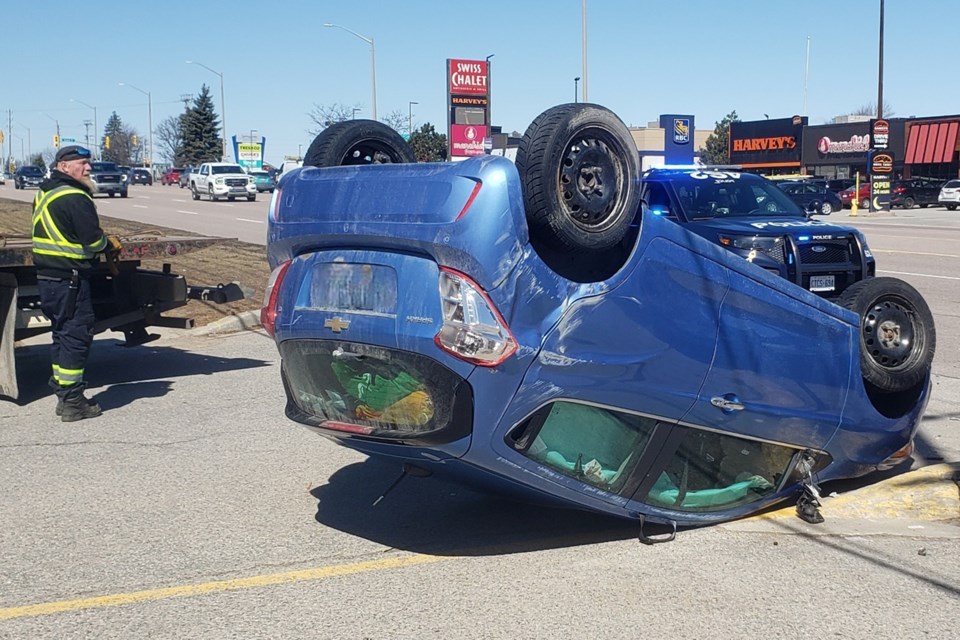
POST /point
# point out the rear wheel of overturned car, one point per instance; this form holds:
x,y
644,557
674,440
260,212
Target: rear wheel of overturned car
x,y
358,142
580,176
897,336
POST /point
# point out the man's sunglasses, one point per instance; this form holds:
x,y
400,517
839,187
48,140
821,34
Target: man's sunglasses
x,y
82,152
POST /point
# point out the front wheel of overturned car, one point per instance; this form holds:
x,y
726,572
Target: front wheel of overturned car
x,y
358,142
897,335
580,176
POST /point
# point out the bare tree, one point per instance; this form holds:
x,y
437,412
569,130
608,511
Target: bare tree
x,y
870,109
396,120
169,135
324,116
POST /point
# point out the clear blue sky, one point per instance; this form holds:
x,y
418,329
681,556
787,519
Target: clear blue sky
x,y
644,58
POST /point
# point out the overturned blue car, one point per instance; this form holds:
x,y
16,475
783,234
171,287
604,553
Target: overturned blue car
x,y
528,327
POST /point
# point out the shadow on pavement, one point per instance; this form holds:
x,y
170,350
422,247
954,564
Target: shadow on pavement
x,y
114,366
437,517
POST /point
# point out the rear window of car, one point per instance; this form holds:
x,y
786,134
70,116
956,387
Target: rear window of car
x,y
952,184
30,171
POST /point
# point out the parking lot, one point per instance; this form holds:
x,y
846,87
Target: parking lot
x,y
193,508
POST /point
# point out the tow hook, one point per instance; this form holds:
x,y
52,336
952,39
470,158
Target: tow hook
x,y
650,540
808,504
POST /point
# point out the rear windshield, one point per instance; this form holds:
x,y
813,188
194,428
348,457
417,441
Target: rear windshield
x,y
953,184
230,168
30,171
103,166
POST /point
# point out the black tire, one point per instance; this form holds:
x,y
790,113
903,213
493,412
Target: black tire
x,y
925,205
213,196
123,194
951,207
826,208
193,192
112,193
908,203
579,169
251,198
897,335
358,142
230,198
865,203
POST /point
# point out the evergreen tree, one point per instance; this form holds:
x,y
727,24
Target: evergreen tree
x,y
201,131
716,150
113,133
428,145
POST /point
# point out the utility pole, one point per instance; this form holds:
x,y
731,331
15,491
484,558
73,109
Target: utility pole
x,y
86,125
880,75
10,144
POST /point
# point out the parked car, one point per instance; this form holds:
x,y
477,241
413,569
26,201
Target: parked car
x,y
839,184
263,180
171,176
139,176
950,195
750,216
448,317
27,176
915,191
185,177
812,196
847,196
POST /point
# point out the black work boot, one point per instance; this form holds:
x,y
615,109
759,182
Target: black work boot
x,y
74,406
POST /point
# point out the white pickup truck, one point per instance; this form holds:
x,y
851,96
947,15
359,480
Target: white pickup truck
x,y
222,180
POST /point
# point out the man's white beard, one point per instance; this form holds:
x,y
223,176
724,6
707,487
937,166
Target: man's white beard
x,y
89,184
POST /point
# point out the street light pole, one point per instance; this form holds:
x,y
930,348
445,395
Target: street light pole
x,y
373,63
223,105
96,131
410,118
149,119
880,75
489,94
575,81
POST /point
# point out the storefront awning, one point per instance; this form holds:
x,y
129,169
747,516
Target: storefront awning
x,y
932,143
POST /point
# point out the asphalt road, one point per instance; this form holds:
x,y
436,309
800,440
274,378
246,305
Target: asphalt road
x,y
193,508
170,206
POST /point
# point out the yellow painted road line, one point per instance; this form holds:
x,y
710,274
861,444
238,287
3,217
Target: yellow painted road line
x,y
252,582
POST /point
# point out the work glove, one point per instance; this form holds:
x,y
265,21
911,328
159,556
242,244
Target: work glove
x,y
114,245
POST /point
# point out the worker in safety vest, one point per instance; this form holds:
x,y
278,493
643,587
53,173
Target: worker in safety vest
x,y
67,239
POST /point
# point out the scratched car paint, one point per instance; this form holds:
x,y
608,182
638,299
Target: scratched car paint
x,y
418,321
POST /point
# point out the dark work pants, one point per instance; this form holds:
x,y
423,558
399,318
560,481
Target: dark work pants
x,y
72,331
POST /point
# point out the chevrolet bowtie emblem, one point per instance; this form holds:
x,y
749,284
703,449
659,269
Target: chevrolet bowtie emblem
x,y
337,323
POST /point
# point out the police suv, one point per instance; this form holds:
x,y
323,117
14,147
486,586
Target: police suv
x,y
751,216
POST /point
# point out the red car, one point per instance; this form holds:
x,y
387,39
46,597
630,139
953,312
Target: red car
x,y
863,197
171,176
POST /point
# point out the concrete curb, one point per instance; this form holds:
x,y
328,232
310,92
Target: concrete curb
x,y
924,502
243,321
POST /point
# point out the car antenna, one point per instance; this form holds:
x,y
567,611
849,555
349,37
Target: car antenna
x,y
407,469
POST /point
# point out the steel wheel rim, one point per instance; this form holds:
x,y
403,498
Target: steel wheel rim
x,y
889,332
370,152
590,180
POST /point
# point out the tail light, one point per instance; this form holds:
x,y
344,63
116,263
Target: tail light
x,y
473,329
268,312
274,206
899,189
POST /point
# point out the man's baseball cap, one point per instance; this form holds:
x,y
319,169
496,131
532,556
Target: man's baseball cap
x,y
73,152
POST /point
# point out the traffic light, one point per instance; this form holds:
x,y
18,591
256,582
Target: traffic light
x,y
134,140
56,141
106,142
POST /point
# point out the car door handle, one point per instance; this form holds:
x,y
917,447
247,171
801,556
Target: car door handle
x,y
728,403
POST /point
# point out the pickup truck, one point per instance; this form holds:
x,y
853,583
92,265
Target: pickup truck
x,y
110,178
222,180
537,328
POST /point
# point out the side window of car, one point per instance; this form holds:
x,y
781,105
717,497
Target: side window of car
x,y
711,471
658,201
595,445
204,170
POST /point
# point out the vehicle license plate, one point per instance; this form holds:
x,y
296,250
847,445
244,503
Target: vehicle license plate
x,y
821,283
340,286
